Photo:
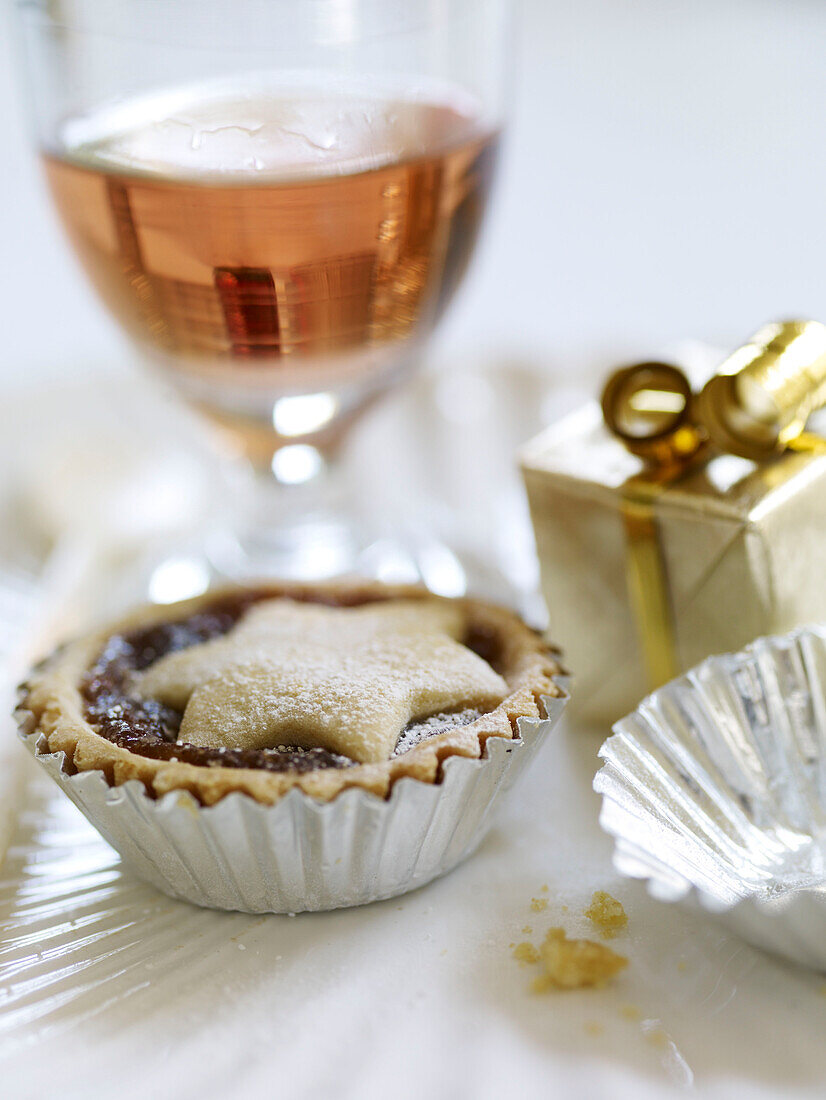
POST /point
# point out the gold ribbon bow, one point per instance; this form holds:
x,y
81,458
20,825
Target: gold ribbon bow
x,y
755,406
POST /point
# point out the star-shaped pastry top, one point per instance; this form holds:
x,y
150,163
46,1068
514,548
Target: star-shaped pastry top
x,y
347,679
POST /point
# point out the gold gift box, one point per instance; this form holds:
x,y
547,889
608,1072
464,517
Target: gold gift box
x,y
731,548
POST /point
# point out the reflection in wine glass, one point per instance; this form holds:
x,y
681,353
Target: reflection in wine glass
x,y
277,201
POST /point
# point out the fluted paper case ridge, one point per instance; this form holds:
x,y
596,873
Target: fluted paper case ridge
x,y
301,854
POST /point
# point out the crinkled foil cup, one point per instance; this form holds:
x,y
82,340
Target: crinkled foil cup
x,y
300,854
714,790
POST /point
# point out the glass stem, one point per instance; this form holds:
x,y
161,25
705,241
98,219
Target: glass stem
x,y
297,520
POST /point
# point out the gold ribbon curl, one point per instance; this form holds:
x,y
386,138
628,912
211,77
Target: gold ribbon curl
x,y
756,406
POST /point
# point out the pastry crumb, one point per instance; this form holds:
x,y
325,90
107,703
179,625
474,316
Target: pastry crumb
x,y
606,913
527,930
544,889
630,1012
594,1027
539,904
574,964
525,953
682,966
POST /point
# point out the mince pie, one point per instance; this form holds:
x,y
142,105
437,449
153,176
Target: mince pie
x,y
320,687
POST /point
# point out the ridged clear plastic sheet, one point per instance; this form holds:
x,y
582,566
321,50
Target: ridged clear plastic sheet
x,y
78,931
715,789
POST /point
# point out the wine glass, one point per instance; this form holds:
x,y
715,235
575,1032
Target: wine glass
x,y
277,200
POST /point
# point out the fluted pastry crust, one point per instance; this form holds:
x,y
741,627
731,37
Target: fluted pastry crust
x,y
53,697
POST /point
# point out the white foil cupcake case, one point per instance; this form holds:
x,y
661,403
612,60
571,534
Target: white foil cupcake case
x,y
305,837
714,791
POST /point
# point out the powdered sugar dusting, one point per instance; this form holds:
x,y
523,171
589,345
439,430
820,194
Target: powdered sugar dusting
x,y
417,732
348,680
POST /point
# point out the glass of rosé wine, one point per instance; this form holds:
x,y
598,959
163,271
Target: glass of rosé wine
x,y
277,200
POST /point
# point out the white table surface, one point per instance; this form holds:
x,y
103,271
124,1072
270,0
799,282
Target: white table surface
x,y
413,997
107,986
664,179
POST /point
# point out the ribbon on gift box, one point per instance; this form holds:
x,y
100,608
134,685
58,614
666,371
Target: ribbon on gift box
x,y
756,406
